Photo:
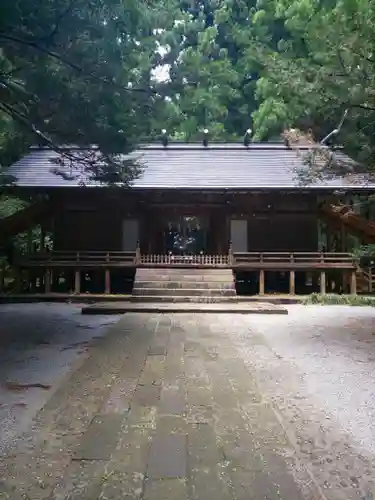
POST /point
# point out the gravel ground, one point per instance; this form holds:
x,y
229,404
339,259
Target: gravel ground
x,y
39,344
317,367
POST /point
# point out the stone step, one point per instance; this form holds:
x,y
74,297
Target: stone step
x,y
178,292
185,284
184,277
183,298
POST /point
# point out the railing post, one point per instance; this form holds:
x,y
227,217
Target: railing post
x,y
230,254
137,254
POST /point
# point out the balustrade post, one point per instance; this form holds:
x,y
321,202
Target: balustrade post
x,y
137,254
230,254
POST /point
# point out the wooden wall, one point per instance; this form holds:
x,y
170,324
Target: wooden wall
x,y
276,222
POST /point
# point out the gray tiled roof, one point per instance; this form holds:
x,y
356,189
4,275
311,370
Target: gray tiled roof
x,y
231,166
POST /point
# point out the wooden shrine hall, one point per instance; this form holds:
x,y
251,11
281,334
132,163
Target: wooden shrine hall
x,y
194,206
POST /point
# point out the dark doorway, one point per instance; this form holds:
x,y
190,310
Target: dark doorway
x,y
186,235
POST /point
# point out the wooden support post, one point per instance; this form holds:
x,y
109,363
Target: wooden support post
x,y
261,282
107,281
77,281
353,282
322,282
47,281
343,238
292,283
29,241
17,280
2,277
42,238
107,277
370,280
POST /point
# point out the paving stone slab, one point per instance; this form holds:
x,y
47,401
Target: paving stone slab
x,y
166,489
120,397
100,439
147,395
172,401
167,457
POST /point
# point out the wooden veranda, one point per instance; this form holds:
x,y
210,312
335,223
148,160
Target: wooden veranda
x,y
47,265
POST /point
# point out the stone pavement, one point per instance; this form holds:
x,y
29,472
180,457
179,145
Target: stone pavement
x,y
162,409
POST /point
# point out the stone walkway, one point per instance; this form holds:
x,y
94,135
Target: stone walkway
x,y
162,409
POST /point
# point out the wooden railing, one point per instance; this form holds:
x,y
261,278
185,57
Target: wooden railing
x,y
197,260
71,259
249,260
293,260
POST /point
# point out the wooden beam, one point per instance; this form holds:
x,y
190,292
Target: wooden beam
x,y
292,283
261,282
323,282
353,283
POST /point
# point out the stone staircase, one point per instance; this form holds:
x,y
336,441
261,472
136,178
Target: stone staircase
x,y
183,285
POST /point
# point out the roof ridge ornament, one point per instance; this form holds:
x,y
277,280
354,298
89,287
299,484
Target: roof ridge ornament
x,y
164,138
247,138
205,137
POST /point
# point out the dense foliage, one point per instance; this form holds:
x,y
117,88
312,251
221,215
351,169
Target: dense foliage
x,y
324,66
77,72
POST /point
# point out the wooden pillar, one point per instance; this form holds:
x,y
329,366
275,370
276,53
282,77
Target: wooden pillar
x,y
370,280
107,280
18,280
2,277
343,238
353,283
77,281
29,241
47,281
42,238
261,282
292,283
322,282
